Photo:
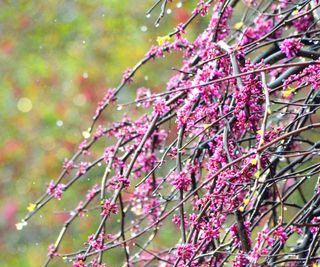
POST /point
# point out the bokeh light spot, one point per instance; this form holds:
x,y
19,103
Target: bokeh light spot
x,y
24,104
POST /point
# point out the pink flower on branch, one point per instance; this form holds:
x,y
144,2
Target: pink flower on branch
x,y
181,180
109,207
291,47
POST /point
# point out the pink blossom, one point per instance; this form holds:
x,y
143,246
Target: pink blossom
x,y
181,180
52,251
143,93
108,154
119,180
202,8
58,191
79,262
108,208
315,229
240,260
95,263
180,30
83,147
99,132
153,52
92,192
185,251
176,219
127,76
302,23
68,165
280,234
291,47
96,244
160,107
51,186
296,229
82,168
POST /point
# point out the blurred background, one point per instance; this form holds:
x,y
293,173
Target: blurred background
x,y
58,58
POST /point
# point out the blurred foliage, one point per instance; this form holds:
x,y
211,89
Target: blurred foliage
x,y
57,60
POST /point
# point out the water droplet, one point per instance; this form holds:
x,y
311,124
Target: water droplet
x,y
59,123
21,224
84,41
86,134
148,15
169,11
119,107
146,78
99,164
157,25
179,5
143,28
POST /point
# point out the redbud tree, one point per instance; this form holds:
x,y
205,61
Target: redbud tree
x,y
226,155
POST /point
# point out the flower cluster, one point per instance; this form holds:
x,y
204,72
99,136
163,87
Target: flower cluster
x,y
185,251
52,251
68,165
291,47
82,168
96,243
55,190
181,180
109,207
280,234
160,107
92,192
127,76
